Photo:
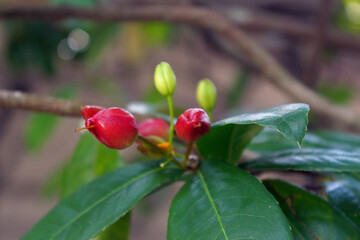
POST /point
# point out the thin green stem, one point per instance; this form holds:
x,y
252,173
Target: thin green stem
x,y
186,157
169,160
173,159
156,149
171,130
210,115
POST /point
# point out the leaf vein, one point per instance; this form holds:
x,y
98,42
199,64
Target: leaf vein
x,y
212,203
103,199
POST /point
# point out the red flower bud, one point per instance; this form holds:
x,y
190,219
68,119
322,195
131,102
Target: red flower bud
x,y
192,124
154,127
114,127
89,111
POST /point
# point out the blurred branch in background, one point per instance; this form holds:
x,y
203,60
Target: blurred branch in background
x,y
203,18
312,70
257,20
45,104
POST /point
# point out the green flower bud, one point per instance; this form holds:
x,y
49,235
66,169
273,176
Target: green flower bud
x,y
206,94
164,78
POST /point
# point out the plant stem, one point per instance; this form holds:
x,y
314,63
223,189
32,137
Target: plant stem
x,y
155,148
172,158
169,160
171,130
210,115
186,158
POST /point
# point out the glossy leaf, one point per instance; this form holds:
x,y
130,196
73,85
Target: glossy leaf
x,y
90,160
107,159
85,213
344,193
228,138
120,230
310,216
339,140
310,159
225,202
269,141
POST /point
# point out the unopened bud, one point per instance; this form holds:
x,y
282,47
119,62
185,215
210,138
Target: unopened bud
x,y
164,78
206,95
154,127
89,111
192,125
113,127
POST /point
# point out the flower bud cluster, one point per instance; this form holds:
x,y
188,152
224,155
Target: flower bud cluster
x,y
117,128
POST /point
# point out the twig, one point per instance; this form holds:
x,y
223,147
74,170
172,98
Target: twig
x,y
33,102
203,18
257,20
313,66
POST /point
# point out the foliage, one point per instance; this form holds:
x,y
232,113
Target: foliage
x,y
237,132
40,126
217,197
32,44
337,93
310,216
220,199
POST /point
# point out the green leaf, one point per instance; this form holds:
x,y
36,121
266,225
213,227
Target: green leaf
x,y
101,34
227,142
237,90
40,126
89,160
310,216
344,193
31,45
53,184
85,213
80,169
120,230
152,95
78,3
225,202
228,138
339,140
156,33
337,93
107,159
310,159
269,141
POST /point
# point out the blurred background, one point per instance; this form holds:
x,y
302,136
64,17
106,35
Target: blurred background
x,y
112,64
